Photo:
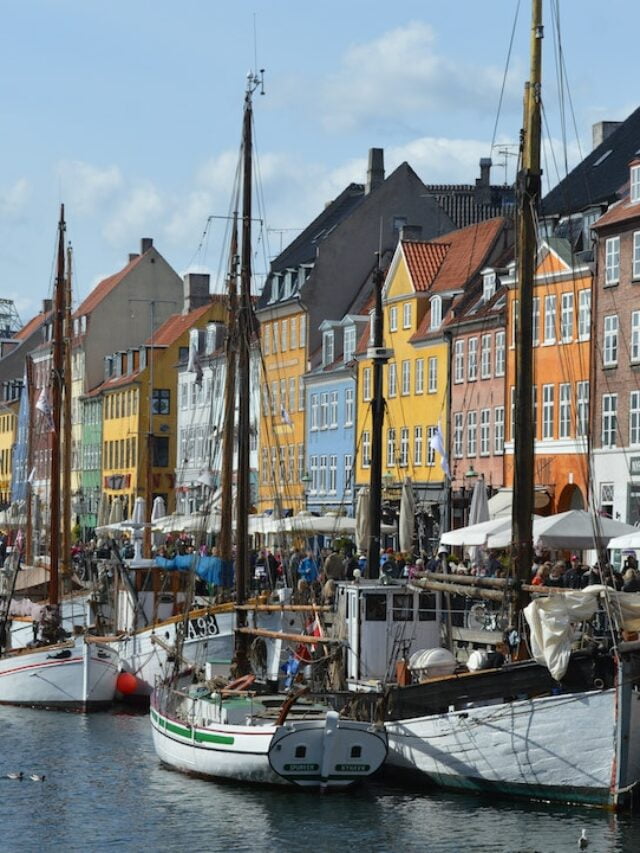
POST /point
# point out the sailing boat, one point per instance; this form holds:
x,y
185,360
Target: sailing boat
x,y
78,672
232,732
568,731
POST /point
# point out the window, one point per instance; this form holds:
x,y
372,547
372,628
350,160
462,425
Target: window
x,y
472,360
391,447
636,254
322,475
393,319
488,286
392,380
512,402
548,413
375,607
436,312
612,260
349,343
485,423
348,473
535,321
419,376
566,318
293,337
303,331
635,336
564,426
609,419
433,375
582,408
324,410
458,428
333,475
292,394
485,357
406,315
366,384
610,349
300,462
417,445
315,422
300,394
458,362
406,377
327,348
366,449
472,423
313,465
584,315
333,409
498,430
404,447
160,400
431,453
634,188
634,418
284,335
160,451
550,319
607,492
402,607
500,353
276,343
348,407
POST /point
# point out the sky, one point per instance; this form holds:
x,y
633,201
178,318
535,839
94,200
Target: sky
x,y
129,112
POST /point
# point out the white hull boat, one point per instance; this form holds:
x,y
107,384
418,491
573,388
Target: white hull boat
x,y
78,675
240,738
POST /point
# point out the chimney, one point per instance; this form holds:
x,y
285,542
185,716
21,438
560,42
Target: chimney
x,y
375,172
196,291
145,244
47,305
483,183
133,256
411,232
601,129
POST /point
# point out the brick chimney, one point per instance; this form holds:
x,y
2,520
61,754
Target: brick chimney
x,y
196,291
145,244
411,232
375,172
601,129
483,183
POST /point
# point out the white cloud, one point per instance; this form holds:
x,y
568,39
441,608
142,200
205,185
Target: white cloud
x,y
86,187
140,210
400,76
14,199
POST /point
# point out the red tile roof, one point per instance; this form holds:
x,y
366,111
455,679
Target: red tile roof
x,y
424,261
105,287
174,326
619,212
32,326
113,383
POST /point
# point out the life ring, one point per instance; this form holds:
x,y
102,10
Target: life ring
x,y
239,684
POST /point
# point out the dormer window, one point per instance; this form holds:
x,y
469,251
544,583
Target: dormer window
x,y
634,192
211,339
108,366
143,358
327,348
436,312
194,338
488,286
349,343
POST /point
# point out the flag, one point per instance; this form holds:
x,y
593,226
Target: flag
x,y
31,477
194,365
43,405
285,416
206,477
436,442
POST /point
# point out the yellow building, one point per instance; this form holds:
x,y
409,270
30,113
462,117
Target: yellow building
x,y
283,334
8,425
139,410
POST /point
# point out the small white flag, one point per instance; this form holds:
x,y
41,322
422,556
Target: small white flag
x,y
205,476
285,416
437,443
31,477
43,405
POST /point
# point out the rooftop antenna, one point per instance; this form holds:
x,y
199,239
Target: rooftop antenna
x,y
504,151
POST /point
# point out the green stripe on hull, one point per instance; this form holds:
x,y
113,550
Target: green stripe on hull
x,y
191,734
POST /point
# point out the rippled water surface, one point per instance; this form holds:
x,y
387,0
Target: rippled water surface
x,y
105,791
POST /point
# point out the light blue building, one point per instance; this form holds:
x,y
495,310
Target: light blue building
x,y
330,431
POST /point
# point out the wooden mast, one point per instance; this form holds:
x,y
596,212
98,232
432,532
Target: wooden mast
x,y
231,350
56,405
378,358
528,196
28,544
245,332
66,426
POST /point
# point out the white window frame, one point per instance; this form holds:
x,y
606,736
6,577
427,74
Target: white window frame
x,y
501,354
488,286
550,318
584,315
472,360
366,448
610,341
348,473
332,485
393,318
458,435
634,184
324,410
349,343
432,380
406,315
406,377
419,376
612,260
485,357
418,445
582,408
327,347
635,337
609,431
284,335
485,432
431,453
458,361
498,431
315,412
391,447
634,419
564,410
548,412
333,409
436,312
566,317
635,266
366,384
392,379
349,408
535,321
472,433
404,447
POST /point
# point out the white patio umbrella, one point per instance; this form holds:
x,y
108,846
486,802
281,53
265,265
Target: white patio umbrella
x,y
158,510
116,512
629,540
478,512
478,534
102,515
577,529
406,522
363,522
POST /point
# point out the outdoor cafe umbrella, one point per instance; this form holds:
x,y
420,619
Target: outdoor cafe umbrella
x,y
406,522
363,522
478,512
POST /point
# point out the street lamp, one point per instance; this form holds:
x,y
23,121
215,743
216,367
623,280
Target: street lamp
x,y
305,479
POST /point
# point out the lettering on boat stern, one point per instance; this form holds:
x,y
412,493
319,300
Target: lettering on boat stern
x,y
353,768
203,626
302,768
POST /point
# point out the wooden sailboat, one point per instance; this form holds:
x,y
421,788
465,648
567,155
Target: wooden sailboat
x,y
233,732
78,672
516,730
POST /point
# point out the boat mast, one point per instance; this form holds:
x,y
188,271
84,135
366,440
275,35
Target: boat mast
x,y
246,329
378,357
231,352
66,422
528,197
28,544
56,401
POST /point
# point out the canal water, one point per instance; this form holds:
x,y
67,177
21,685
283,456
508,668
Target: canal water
x,y
105,791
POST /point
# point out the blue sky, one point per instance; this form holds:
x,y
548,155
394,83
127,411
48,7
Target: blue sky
x,y
130,112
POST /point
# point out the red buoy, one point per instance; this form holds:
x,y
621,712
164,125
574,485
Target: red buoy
x,y
127,683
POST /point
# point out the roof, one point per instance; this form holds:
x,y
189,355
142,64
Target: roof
x,y
620,212
32,326
104,288
423,261
175,325
460,201
598,178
